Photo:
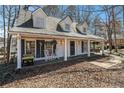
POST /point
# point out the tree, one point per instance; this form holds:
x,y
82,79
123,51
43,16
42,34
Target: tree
x,y
4,33
113,27
10,14
71,11
52,10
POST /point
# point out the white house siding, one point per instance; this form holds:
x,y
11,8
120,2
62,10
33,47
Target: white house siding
x,y
68,48
78,47
85,47
59,49
41,15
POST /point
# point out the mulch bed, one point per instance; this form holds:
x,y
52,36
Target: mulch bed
x,y
76,73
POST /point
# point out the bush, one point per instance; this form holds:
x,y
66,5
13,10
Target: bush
x,y
122,61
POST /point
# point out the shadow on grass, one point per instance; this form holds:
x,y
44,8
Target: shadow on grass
x,y
43,69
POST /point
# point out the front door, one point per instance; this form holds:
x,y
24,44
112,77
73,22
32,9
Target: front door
x,y
82,46
40,48
72,48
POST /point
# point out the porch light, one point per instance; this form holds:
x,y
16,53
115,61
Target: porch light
x,y
61,42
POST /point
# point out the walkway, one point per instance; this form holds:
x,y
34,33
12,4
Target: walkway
x,y
107,63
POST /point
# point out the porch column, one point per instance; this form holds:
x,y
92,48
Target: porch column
x,y
19,65
103,48
88,48
65,56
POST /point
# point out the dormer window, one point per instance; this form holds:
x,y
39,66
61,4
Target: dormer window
x,y
40,22
84,29
67,27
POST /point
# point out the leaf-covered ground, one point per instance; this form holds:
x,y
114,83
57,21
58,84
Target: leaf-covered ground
x,y
77,73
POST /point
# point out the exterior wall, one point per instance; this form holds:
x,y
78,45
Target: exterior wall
x,y
85,47
78,47
60,49
39,14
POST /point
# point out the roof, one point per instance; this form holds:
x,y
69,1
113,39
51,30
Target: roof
x,y
28,24
53,33
118,36
53,28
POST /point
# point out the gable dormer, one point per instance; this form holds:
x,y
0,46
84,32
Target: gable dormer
x,y
82,27
39,18
66,23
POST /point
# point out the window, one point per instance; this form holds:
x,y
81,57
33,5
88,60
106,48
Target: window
x,y
50,48
67,27
82,46
30,47
84,29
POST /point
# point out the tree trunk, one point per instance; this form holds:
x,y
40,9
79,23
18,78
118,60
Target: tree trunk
x,y
113,27
10,36
4,33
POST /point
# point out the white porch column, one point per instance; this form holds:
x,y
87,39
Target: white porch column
x,y
103,48
88,48
65,55
19,65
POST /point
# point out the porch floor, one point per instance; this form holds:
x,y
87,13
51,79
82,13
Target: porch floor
x,y
59,60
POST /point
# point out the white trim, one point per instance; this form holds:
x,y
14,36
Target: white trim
x,y
65,51
19,63
88,48
44,58
35,48
38,35
39,9
68,48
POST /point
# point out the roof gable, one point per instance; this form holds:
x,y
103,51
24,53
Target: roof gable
x,y
65,21
80,27
39,11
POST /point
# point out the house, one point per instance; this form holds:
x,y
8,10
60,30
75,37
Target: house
x,y
47,37
101,30
1,42
119,40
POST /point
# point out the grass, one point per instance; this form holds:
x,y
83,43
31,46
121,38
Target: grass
x,y
6,70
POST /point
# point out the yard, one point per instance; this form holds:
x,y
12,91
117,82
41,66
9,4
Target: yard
x,y
75,73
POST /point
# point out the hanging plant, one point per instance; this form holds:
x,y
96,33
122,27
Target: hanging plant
x,y
51,42
54,42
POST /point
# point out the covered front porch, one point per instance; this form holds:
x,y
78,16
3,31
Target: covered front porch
x,y
45,48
